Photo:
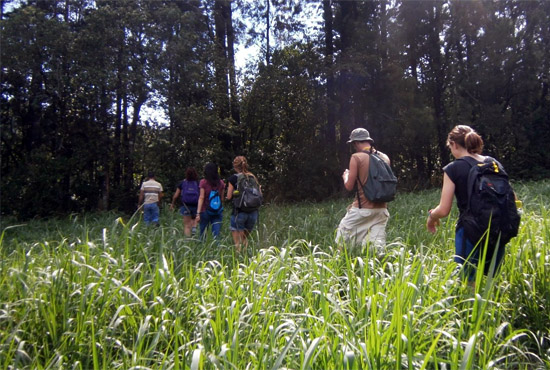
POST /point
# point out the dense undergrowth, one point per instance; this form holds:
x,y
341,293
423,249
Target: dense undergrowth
x,y
103,291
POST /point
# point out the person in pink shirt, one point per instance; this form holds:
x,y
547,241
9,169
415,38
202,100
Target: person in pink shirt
x,y
210,186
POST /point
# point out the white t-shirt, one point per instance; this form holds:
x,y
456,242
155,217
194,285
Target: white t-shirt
x,y
151,190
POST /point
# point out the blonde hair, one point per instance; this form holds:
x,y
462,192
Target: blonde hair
x,y
240,164
466,137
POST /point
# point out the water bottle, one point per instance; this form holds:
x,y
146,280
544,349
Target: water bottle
x,y
519,206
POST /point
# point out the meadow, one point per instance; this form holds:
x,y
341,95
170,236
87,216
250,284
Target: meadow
x,y
101,291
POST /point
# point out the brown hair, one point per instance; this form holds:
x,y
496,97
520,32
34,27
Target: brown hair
x,y
241,165
466,137
191,174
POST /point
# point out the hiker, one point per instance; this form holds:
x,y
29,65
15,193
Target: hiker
x,y
210,207
150,196
465,144
243,217
188,191
365,220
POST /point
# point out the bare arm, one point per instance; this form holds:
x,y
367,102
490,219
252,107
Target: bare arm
x,y
201,201
444,207
352,175
230,189
175,197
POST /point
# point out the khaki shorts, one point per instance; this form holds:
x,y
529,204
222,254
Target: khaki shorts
x,y
360,225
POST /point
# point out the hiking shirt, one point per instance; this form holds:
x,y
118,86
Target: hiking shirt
x,y
151,191
207,189
458,173
363,160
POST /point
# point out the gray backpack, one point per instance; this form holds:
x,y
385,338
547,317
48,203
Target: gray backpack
x,y
381,184
250,197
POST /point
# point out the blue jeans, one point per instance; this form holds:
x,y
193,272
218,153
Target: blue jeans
x,y
216,222
243,221
467,254
151,213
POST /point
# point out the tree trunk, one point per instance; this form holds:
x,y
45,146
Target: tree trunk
x,y
267,31
233,90
235,109
437,80
104,153
383,32
117,155
346,85
330,133
221,60
132,133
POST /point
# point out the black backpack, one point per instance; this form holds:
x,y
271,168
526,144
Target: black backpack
x,y
491,204
249,197
381,184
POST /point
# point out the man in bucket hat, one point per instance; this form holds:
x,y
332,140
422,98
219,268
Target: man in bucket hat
x,y
365,221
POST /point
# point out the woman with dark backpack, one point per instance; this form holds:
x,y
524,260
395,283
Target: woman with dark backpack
x,y
188,191
466,147
244,216
210,206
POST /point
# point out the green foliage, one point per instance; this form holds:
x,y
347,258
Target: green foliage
x,y
80,78
284,135
98,291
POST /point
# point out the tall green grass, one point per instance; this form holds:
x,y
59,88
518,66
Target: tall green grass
x,y
101,292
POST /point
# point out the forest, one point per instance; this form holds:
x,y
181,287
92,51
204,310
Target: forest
x,y
94,93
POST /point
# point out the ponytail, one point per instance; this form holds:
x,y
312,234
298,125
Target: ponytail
x,y
241,164
467,138
474,143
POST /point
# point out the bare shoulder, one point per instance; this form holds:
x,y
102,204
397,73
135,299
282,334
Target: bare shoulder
x,y
383,156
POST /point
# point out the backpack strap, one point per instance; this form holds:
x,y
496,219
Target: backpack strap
x,y
474,162
369,152
185,205
239,179
470,181
357,192
471,161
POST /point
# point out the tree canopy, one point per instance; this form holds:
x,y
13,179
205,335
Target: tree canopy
x,y
79,76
